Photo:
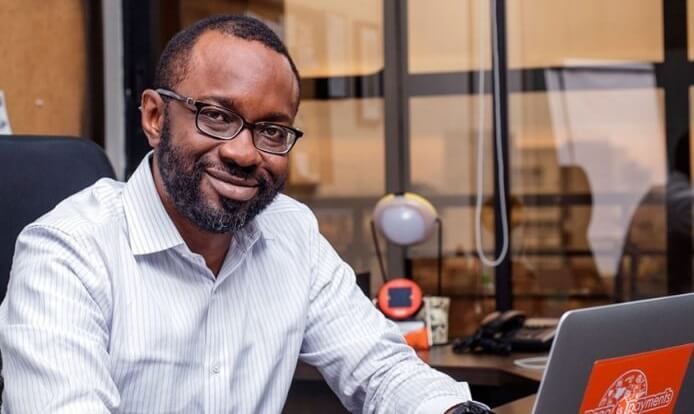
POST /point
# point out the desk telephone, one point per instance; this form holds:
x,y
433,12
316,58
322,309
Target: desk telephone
x,y
504,332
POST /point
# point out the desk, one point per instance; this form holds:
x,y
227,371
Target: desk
x,y
522,406
480,371
475,369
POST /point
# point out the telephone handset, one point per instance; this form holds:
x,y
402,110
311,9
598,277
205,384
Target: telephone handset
x,y
499,324
503,332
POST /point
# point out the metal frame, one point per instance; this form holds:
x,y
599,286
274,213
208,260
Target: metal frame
x,y
465,82
343,87
675,77
94,121
140,28
502,273
114,104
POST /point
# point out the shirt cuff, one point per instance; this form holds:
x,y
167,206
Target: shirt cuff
x,y
439,405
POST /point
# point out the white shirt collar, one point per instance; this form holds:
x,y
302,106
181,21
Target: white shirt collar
x,y
150,228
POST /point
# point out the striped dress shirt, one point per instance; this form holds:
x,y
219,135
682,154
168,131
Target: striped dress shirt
x,y
108,310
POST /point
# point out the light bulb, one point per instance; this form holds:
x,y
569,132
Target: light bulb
x,y
405,219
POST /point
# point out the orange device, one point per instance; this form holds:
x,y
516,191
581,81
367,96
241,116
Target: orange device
x,y
400,298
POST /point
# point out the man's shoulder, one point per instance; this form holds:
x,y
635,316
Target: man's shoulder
x,y
95,207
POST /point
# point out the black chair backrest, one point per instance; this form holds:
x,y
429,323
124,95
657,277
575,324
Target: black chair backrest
x,y
38,173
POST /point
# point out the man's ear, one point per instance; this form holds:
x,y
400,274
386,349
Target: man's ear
x,y
152,116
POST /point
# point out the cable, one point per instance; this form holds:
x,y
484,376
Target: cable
x,y
480,145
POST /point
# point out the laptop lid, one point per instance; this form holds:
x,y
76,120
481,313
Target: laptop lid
x,y
614,347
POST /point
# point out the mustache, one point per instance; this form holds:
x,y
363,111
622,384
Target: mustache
x,y
235,170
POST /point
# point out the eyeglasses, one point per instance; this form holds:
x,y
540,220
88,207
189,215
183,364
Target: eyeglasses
x,y
222,123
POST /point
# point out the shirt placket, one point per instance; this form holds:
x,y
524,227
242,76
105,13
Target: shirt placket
x,y
222,335
216,364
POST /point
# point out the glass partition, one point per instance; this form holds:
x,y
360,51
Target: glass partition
x,y
328,171
443,166
540,33
587,147
545,33
446,38
588,171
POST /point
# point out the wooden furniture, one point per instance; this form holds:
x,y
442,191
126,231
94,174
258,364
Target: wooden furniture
x,y
522,406
480,369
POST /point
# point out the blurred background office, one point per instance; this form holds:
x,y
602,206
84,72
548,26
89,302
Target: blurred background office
x,y
593,115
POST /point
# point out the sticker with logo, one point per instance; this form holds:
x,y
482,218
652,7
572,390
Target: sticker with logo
x,y
648,382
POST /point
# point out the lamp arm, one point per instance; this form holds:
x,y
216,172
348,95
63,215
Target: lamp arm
x,y
440,256
378,252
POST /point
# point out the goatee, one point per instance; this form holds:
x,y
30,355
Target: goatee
x,y
182,176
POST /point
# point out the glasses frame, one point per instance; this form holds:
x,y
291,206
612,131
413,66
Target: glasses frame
x,y
196,107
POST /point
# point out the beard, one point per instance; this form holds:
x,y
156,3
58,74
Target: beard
x,y
182,175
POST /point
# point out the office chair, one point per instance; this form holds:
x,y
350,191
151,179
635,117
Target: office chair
x,y
37,173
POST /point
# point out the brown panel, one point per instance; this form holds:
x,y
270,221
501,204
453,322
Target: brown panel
x,y
43,65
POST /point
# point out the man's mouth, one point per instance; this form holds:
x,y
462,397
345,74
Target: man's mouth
x,y
231,186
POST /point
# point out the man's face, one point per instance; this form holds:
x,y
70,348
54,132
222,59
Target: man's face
x,y
221,185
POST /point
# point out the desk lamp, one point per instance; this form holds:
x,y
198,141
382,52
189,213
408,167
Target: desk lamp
x,y
404,219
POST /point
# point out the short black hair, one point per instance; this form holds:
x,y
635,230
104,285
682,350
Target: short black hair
x,y
173,64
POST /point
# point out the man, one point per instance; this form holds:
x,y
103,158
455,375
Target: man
x,y
195,286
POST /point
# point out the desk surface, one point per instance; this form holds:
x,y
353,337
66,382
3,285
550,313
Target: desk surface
x,y
486,370
522,406
479,369
475,369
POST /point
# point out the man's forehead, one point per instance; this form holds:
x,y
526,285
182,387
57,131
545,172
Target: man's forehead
x,y
222,50
222,58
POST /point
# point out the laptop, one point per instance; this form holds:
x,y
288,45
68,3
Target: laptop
x,y
633,357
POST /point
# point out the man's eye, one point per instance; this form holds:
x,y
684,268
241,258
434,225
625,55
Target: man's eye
x,y
215,115
273,132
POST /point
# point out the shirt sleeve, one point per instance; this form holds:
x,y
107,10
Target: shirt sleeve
x,y
53,332
361,354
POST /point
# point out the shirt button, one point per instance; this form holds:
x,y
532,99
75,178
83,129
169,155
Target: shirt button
x,y
216,369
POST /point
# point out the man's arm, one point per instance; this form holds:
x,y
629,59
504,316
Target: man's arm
x,y
361,354
53,332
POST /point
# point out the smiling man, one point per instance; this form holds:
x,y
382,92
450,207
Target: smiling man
x,y
195,286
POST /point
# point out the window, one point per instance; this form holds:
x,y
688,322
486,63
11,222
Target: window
x,y
596,121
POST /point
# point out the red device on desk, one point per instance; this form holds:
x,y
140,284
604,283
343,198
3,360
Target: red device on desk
x,y
400,298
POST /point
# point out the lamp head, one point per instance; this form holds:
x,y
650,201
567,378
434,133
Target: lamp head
x,y
405,219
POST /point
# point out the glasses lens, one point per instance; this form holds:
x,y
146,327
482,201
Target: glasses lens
x,y
218,122
273,138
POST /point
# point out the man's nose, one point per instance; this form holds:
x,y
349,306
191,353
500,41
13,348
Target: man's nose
x,y
241,150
